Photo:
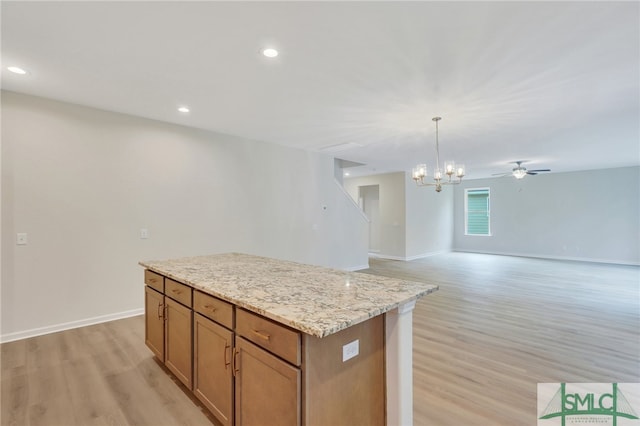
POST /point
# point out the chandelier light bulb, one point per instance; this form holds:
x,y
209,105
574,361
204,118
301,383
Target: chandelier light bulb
x,y
449,167
437,174
419,172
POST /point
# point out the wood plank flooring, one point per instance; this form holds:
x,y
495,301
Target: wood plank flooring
x,y
497,326
92,376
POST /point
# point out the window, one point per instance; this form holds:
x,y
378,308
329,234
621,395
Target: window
x,y
477,209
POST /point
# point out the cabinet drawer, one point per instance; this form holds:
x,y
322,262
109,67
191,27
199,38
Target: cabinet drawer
x,y
274,337
213,308
153,280
178,292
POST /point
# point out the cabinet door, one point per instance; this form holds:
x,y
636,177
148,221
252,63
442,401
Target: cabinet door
x,y
212,371
154,321
177,341
267,388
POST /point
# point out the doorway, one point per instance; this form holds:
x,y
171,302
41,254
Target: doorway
x,y
369,201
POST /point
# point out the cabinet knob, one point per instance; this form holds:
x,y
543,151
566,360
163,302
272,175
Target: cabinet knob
x,y
210,308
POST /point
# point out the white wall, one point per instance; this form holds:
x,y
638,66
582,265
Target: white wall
x,y
589,215
416,222
392,220
82,182
429,220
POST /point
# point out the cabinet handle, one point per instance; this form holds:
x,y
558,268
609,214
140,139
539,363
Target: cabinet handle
x,y
160,310
152,280
226,363
236,370
175,291
210,307
261,334
166,311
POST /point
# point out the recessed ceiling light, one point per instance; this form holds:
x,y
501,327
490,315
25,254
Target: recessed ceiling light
x,y
347,174
17,70
183,109
270,52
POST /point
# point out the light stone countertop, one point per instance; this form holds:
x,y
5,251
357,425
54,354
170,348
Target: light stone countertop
x,y
315,300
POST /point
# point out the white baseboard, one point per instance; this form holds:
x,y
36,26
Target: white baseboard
x,y
407,259
357,268
18,335
423,255
550,257
385,256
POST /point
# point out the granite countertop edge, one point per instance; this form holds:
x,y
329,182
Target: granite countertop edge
x,y
300,325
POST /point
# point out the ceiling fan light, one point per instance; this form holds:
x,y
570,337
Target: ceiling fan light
x,y
519,173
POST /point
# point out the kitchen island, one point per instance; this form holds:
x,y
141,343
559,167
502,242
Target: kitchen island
x,y
265,341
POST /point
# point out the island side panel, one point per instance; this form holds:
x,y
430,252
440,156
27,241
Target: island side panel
x,y
350,392
399,363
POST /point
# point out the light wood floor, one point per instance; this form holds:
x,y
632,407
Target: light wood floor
x,y
497,326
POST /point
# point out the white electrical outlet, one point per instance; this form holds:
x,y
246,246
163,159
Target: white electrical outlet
x,y
144,233
21,239
350,350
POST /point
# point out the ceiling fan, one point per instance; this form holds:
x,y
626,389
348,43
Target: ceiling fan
x,y
519,171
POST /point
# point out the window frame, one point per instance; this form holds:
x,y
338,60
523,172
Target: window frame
x,y
466,211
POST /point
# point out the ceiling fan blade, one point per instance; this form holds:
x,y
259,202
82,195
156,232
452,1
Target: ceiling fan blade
x,y
501,174
540,170
532,173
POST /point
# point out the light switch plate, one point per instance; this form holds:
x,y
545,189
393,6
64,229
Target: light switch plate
x,y
144,233
350,350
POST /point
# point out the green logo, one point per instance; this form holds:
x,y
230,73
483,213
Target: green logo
x,y
581,400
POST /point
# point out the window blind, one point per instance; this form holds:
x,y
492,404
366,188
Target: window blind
x,y
478,211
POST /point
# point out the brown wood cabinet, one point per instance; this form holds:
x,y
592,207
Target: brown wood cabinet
x,y
169,324
177,341
214,309
153,280
250,370
213,373
154,321
353,391
276,338
267,388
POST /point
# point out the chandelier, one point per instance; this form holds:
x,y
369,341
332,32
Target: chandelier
x,y
450,169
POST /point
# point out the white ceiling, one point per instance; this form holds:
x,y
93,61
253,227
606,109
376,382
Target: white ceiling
x,y
553,83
